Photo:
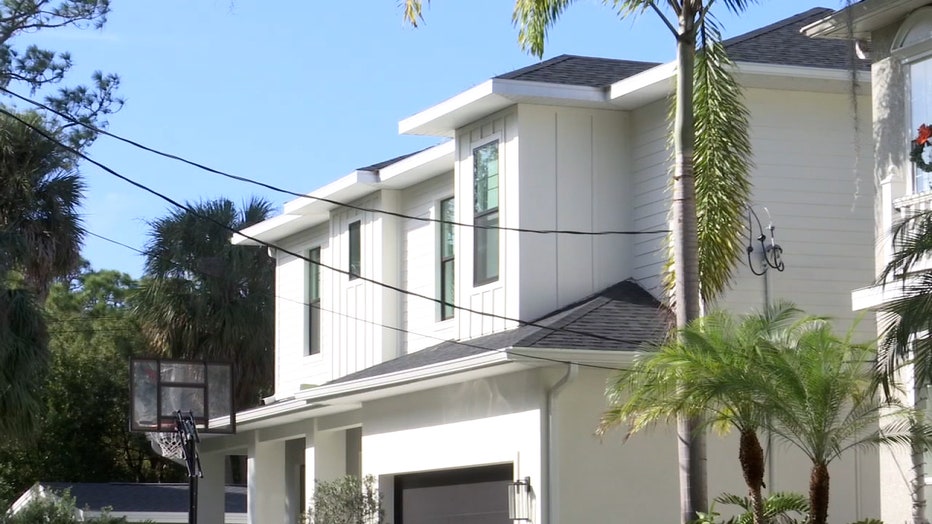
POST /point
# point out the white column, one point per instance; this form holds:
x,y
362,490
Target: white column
x,y
211,493
330,455
266,482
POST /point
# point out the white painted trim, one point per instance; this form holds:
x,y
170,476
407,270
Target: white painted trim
x,y
164,517
483,90
866,16
872,297
620,359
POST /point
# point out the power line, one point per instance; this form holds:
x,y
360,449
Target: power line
x,y
117,242
323,199
392,328
195,213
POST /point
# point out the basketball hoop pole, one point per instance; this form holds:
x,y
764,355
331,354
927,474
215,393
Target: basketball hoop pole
x,y
186,429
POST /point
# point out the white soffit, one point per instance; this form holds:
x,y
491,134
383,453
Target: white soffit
x,y
643,88
494,95
864,17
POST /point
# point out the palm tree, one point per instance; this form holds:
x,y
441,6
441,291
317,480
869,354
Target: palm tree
x,y
906,325
824,399
203,298
699,162
711,371
40,192
40,240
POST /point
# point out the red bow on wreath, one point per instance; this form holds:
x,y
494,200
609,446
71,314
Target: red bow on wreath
x,y
918,147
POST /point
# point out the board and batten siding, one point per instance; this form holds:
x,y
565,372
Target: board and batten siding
x,y
420,265
293,366
574,175
499,297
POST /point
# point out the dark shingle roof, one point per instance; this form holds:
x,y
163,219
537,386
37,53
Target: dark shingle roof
x,y
123,497
624,312
579,71
782,43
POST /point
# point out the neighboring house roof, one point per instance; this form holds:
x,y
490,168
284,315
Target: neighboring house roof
x,y
123,497
783,43
624,312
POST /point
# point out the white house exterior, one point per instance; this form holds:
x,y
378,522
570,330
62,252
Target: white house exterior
x,y
898,36
446,406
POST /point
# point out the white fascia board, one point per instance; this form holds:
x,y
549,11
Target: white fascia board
x,y
644,87
620,359
416,168
797,78
305,212
873,297
658,83
494,95
864,17
352,185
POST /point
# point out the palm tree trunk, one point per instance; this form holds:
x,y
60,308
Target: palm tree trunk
x,y
818,494
751,456
919,461
691,450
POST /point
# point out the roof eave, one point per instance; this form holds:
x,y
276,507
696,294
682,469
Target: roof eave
x,y
860,19
494,95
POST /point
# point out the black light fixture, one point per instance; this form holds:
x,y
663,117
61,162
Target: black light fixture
x,y
519,499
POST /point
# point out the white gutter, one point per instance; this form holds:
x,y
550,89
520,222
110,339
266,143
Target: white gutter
x,y
550,465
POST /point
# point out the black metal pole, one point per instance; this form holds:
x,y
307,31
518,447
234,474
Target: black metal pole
x,y
192,486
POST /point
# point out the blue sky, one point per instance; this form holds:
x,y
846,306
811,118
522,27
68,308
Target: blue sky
x,y
300,96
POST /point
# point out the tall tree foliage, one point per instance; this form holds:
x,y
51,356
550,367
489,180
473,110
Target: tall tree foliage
x,y
720,150
82,433
204,298
40,191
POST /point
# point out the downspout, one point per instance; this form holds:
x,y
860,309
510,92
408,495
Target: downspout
x,y
550,477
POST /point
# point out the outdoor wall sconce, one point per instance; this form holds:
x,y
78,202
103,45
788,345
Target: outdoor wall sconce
x,y
519,499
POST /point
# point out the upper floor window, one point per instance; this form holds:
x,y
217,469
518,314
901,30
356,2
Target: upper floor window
x,y
485,209
446,259
913,45
313,302
355,251
920,112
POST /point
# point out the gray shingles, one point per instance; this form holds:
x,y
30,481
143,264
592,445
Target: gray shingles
x,y
624,312
579,71
782,43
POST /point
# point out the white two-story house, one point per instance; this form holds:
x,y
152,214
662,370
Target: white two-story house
x,y
897,35
450,360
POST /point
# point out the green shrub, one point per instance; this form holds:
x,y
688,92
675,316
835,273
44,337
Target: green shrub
x,y
346,500
58,508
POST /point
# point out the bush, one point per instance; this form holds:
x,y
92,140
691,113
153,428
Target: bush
x,y
58,508
346,501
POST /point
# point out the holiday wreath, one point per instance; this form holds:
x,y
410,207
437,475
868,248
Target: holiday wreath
x,y
919,146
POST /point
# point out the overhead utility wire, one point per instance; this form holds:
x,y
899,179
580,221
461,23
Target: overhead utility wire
x,y
397,289
323,199
367,321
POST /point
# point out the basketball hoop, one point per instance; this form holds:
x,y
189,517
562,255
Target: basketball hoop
x,y
169,445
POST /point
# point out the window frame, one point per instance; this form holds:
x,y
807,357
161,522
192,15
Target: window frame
x,y
354,251
312,289
447,309
910,55
488,217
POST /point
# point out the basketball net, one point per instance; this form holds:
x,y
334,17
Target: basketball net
x,y
168,444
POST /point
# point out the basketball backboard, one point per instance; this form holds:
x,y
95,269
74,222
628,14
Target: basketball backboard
x,y
160,387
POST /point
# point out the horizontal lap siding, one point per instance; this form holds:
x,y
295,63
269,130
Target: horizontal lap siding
x,y
820,197
651,159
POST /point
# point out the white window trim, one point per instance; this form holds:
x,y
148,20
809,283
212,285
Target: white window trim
x,y
493,137
437,211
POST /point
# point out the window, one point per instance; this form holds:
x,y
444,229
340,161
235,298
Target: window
x,y
920,101
447,215
313,302
485,207
355,251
